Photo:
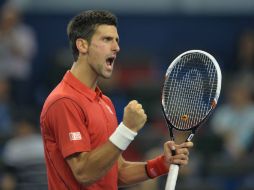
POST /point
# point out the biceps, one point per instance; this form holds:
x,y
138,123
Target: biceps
x,y
80,168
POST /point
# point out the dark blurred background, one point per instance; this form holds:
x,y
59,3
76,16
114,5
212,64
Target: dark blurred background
x,y
34,55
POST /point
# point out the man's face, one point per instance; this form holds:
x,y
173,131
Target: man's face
x,y
103,49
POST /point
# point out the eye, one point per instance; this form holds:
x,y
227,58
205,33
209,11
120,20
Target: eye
x,y
107,39
117,40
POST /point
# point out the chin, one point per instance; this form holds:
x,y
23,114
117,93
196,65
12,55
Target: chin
x,y
107,76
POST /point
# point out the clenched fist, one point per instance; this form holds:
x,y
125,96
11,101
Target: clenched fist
x,y
134,116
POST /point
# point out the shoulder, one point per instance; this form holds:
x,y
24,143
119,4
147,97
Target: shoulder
x,y
64,92
62,110
59,100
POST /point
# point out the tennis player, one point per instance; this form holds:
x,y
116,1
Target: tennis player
x,y
82,139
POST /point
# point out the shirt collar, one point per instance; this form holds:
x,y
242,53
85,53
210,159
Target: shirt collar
x,y
81,87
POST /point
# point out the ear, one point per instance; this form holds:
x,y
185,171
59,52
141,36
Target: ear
x,y
82,45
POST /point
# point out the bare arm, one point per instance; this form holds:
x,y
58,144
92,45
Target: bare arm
x,y
88,167
131,172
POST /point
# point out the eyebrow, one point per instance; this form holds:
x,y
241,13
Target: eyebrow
x,y
108,36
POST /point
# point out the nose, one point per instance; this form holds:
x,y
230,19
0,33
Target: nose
x,y
116,47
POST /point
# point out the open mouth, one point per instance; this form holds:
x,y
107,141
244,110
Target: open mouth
x,y
110,61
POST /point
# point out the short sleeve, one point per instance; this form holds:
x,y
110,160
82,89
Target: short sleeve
x,y
67,121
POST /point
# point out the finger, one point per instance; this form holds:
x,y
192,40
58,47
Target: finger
x,y
141,111
133,102
144,117
182,151
139,106
169,147
185,145
180,159
180,162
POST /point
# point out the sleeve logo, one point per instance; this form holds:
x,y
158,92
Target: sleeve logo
x,y
74,136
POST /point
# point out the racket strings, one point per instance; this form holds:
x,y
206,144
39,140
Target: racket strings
x,y
189,90
181,97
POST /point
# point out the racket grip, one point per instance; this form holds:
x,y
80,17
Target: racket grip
x,y
172,177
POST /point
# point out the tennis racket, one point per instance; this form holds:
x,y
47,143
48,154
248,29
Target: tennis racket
x,y
189,95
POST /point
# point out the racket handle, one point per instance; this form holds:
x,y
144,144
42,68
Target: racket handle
x,y
172,177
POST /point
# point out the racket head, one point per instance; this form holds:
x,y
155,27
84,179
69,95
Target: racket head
x,y
191,89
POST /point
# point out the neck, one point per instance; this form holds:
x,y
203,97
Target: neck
x,y
84,73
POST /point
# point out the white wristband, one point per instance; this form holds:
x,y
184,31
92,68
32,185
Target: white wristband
x,y
122,136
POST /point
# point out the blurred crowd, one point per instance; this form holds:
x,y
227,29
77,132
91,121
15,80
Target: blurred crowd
x,y
21,150
223,154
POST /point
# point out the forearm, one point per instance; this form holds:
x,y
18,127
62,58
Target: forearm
x,y
90,166
135,172
132,173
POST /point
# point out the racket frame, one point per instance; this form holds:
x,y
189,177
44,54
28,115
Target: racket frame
x,y
174,169
217,94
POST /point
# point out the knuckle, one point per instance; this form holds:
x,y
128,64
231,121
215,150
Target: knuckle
x,y
135,102
185,158
140,111
127,107
132,102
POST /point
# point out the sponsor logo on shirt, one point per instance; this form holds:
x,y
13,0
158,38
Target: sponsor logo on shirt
x,y
109,109
74,136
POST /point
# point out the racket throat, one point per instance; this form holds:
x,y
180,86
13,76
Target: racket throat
x,y
172,138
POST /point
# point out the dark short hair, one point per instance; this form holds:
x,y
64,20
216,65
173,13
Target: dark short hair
x,y
84,26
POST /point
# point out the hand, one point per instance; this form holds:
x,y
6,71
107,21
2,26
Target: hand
x,y
134,116
182,153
